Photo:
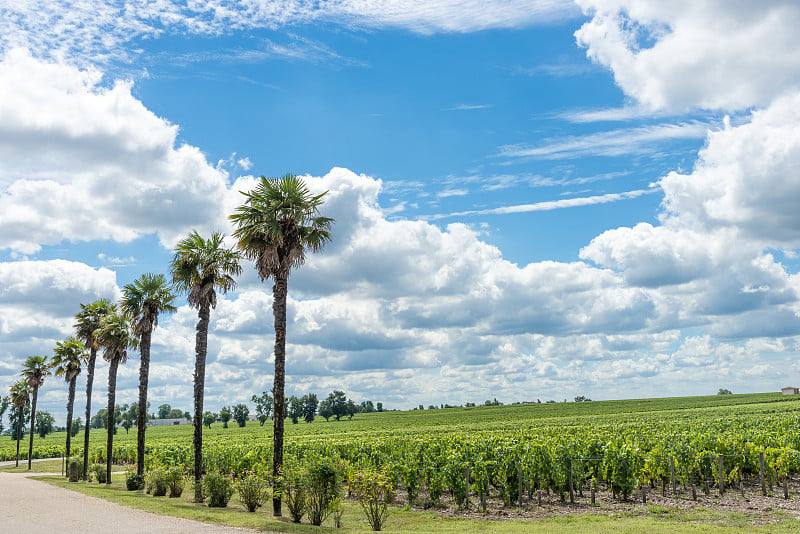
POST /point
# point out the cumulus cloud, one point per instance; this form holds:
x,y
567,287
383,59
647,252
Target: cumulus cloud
x,y
711,54
80,161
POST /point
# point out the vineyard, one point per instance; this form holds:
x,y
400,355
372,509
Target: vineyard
x,y
468,457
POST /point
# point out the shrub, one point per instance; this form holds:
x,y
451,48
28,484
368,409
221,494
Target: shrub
x,y
134,482
324,489
99,473
373,491
253,491
219,490
176,480
294,490
156,482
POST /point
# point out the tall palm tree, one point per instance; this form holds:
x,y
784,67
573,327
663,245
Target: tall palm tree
x,y
199,268
21,399
87,323
277,223
143,301
67,358
114,337
35,370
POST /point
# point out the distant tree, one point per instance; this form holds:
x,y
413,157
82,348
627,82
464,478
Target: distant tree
x,y
421,407
209,418
337,402
724,392
469,405
325,409
20,393
129,416
263,404
380,406
176,414
187,416
100,418
295,406
77,425
4,403
310,404
581,398
351,408
367,406
431,406
35,370
225,416
163,411
44,423
240,413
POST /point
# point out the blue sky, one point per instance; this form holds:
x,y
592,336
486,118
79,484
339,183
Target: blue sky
x,y
534,199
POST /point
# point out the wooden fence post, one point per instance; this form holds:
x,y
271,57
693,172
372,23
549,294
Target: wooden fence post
x,y
571,489
593,489
672,474
721,467
520,483
761,473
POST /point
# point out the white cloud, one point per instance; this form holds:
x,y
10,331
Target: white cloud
x,y
99,30
711,54
642,140
80,162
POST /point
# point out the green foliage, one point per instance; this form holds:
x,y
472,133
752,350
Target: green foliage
x,y
219,489
157,481
98,472
44,423
263,404
373,490
324,489
176,480
240,413
724,392
253,490
209,418
293,485
225,415
77,426
134,482
309,407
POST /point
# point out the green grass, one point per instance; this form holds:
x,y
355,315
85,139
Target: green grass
x,y
50,466
652,519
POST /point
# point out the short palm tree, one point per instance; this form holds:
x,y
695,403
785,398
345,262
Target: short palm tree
x,y
142,302
67,359
87,321
277,223
199,268
35,370
114,337
21,398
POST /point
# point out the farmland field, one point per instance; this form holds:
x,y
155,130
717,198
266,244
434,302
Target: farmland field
x,y
617,445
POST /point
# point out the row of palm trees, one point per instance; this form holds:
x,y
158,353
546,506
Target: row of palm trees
x,y
276,225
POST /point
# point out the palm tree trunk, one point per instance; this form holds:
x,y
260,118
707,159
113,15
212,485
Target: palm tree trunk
x,y
112,393
19,430
33,423
279,291
144,371
89,380
70,401
201,349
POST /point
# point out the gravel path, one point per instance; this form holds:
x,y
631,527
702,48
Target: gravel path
x,y
36,507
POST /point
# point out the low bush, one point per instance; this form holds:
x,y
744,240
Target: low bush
x,y
134,482
98,471
176,480
156,482
294,490
324,490
219,489
253,491
373,491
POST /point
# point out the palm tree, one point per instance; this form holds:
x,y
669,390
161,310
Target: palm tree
x,y
21,399
114,337
278,221
87,322
35,370
67,359
143,301
198,268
